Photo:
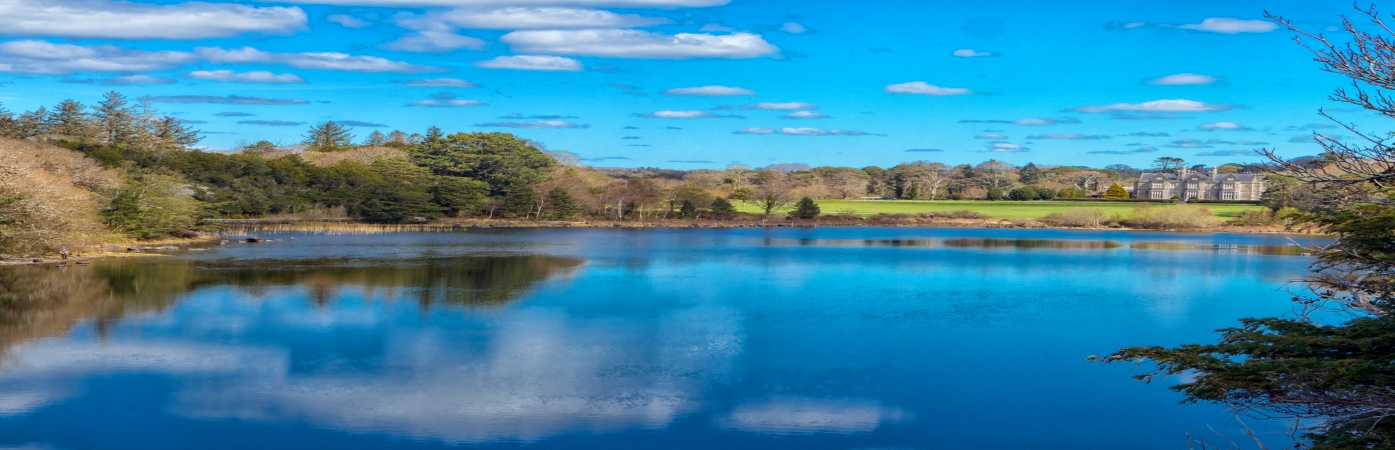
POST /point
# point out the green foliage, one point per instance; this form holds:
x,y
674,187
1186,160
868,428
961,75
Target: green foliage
x,y
564,206
722,209
400,204
460,195
1030,174
1023,193
688,210
743,194
806,208
499,159
1116,192
519,200
152,206
995,194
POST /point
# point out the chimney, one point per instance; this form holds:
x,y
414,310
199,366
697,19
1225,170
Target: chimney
x,y
1215,172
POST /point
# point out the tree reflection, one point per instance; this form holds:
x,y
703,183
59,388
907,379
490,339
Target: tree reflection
x,y
40,301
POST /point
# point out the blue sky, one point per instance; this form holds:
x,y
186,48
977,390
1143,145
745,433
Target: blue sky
x,y
703,83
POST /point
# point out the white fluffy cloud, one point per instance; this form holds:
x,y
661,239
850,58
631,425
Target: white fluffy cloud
x,y
1231,26
551,18
260,76
1231,126
639,44
681,115
1182,79
40,57
1156,106
794,28
127,20
785,106
315,60
531,62
1006,147
441,82
996,136
820,132
430,41
132,80
971,53
347,20
711,91
923,88
804,115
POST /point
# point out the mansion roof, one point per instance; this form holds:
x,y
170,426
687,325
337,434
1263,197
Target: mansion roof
x,y
1199,176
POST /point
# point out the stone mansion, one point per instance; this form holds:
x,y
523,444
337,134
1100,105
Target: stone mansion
x,y
1188,185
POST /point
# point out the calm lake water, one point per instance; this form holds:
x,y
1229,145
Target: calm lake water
x,y
829,338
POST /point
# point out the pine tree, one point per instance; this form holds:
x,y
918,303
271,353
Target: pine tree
x,y
806,209
115,121
688,210
9,127
1116,192
1029,174
172,133
519,199
564,206
31,124
328,136
376,139
69,120
722,209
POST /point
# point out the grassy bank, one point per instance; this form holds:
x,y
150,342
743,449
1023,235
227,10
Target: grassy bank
x,y
1001,210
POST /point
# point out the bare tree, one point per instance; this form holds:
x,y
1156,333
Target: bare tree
x,y
995,174
773,196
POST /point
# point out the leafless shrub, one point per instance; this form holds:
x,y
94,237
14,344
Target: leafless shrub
x,y
1076,217
49,198
1170,217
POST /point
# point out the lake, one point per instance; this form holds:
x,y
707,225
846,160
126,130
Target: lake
x,y
823,338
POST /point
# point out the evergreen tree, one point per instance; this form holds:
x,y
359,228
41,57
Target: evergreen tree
x,y
1029,174
31,124
722,209
995,194
518,200
688,210
9,127
806,209
327,137
1023,193
70,121
375,139
172,133
564,206
1116,192
460,195
115,121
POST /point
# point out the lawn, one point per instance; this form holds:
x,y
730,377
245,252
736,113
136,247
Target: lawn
x,y
1002,209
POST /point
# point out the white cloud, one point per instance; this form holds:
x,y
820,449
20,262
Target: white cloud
x,y
1181,79
543,124
991,136
347,20
1156,106
1067,137
260,76
127,20
229,100
786,106
923,88
428,41
755,131
40,57
1006,147
1222,126
531,62
716,26
681,115
479,3
793,28
317,60
441,82
711,91
445,100
804,115
550,18
1231,26
820,132
131,80
799,415
639,44
971,53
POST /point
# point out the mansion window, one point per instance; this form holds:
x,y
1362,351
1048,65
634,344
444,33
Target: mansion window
x,y
1157,185
1191,185
1228,196
1227,185
1157,195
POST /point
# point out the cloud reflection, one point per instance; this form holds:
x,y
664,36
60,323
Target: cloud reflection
x,y
803,415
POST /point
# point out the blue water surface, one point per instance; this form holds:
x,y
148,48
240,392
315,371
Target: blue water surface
x,y
825,338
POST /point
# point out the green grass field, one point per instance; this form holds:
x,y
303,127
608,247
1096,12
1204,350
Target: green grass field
x,y
1003,209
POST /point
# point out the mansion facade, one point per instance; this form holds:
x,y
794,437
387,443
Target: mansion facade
x,y
1189,185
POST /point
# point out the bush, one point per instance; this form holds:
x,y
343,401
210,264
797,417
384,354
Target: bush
x,y
1076,217
722,209
1253,218
995,194
1116,192
1023,193
1169,217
